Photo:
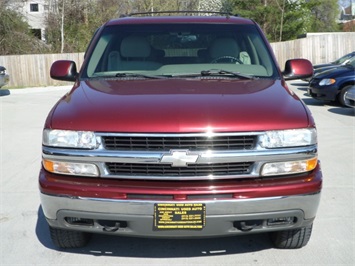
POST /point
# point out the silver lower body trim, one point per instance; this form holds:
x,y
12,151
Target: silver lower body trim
x,y
221,215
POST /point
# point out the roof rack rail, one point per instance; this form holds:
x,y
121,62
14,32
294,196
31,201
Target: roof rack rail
x,y
186,12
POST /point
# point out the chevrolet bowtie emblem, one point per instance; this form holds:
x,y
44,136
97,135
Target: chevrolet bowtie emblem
x,y
179,158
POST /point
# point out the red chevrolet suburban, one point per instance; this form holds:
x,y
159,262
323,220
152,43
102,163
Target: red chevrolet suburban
x,y
180,126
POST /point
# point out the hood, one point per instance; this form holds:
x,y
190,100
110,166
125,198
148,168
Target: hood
x,y
178,105
325,68
336,72
324,65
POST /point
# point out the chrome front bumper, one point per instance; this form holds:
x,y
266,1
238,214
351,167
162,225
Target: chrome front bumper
x,y
222,216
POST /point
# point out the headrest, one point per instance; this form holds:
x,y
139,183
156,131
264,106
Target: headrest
x,y
224,47
135,46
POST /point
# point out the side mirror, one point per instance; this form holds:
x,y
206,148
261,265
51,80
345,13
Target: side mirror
x,y
298,69
64,70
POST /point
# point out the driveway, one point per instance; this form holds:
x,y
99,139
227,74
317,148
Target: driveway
x,y
25,237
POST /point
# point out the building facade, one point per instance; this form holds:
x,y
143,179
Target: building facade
x,y
34,12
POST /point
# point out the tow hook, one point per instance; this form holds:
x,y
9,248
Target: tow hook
x,y
111,228
246,226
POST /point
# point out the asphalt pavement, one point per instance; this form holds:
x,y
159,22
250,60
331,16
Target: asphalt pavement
x,y
24,235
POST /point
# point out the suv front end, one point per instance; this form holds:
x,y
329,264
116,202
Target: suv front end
x,y
164,140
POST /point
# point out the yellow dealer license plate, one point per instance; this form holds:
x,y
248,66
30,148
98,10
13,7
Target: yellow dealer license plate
x,y
181,216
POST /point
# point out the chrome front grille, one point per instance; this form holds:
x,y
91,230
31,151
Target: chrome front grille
x,y
179,156
221,169
192,143
190,156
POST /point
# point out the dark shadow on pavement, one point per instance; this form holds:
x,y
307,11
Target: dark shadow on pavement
x,y
333,107
300,83
313,102
302,88
347,111
42,230
118,246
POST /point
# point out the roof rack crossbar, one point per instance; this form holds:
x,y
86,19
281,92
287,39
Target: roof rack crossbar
x,y
178,12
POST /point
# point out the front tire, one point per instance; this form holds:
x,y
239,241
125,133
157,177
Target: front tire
x,y
68,238
291,239
341,97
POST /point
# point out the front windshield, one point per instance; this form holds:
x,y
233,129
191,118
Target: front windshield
x,y
344,59
351,61
173,50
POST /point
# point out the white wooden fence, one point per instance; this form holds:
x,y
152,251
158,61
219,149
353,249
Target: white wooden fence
x,y
318,48
33,70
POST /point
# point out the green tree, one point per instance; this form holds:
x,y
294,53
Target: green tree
x,y
71,26
323,15
283,20
279,19
163,5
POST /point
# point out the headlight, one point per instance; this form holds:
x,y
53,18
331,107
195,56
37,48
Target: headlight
x,y
70,168
289,138
69,139
325,82
287,168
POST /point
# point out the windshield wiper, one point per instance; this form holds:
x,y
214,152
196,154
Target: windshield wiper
x,y
135,75
214,72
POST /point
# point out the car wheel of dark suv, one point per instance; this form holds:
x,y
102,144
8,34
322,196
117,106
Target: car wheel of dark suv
x,y
68,238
